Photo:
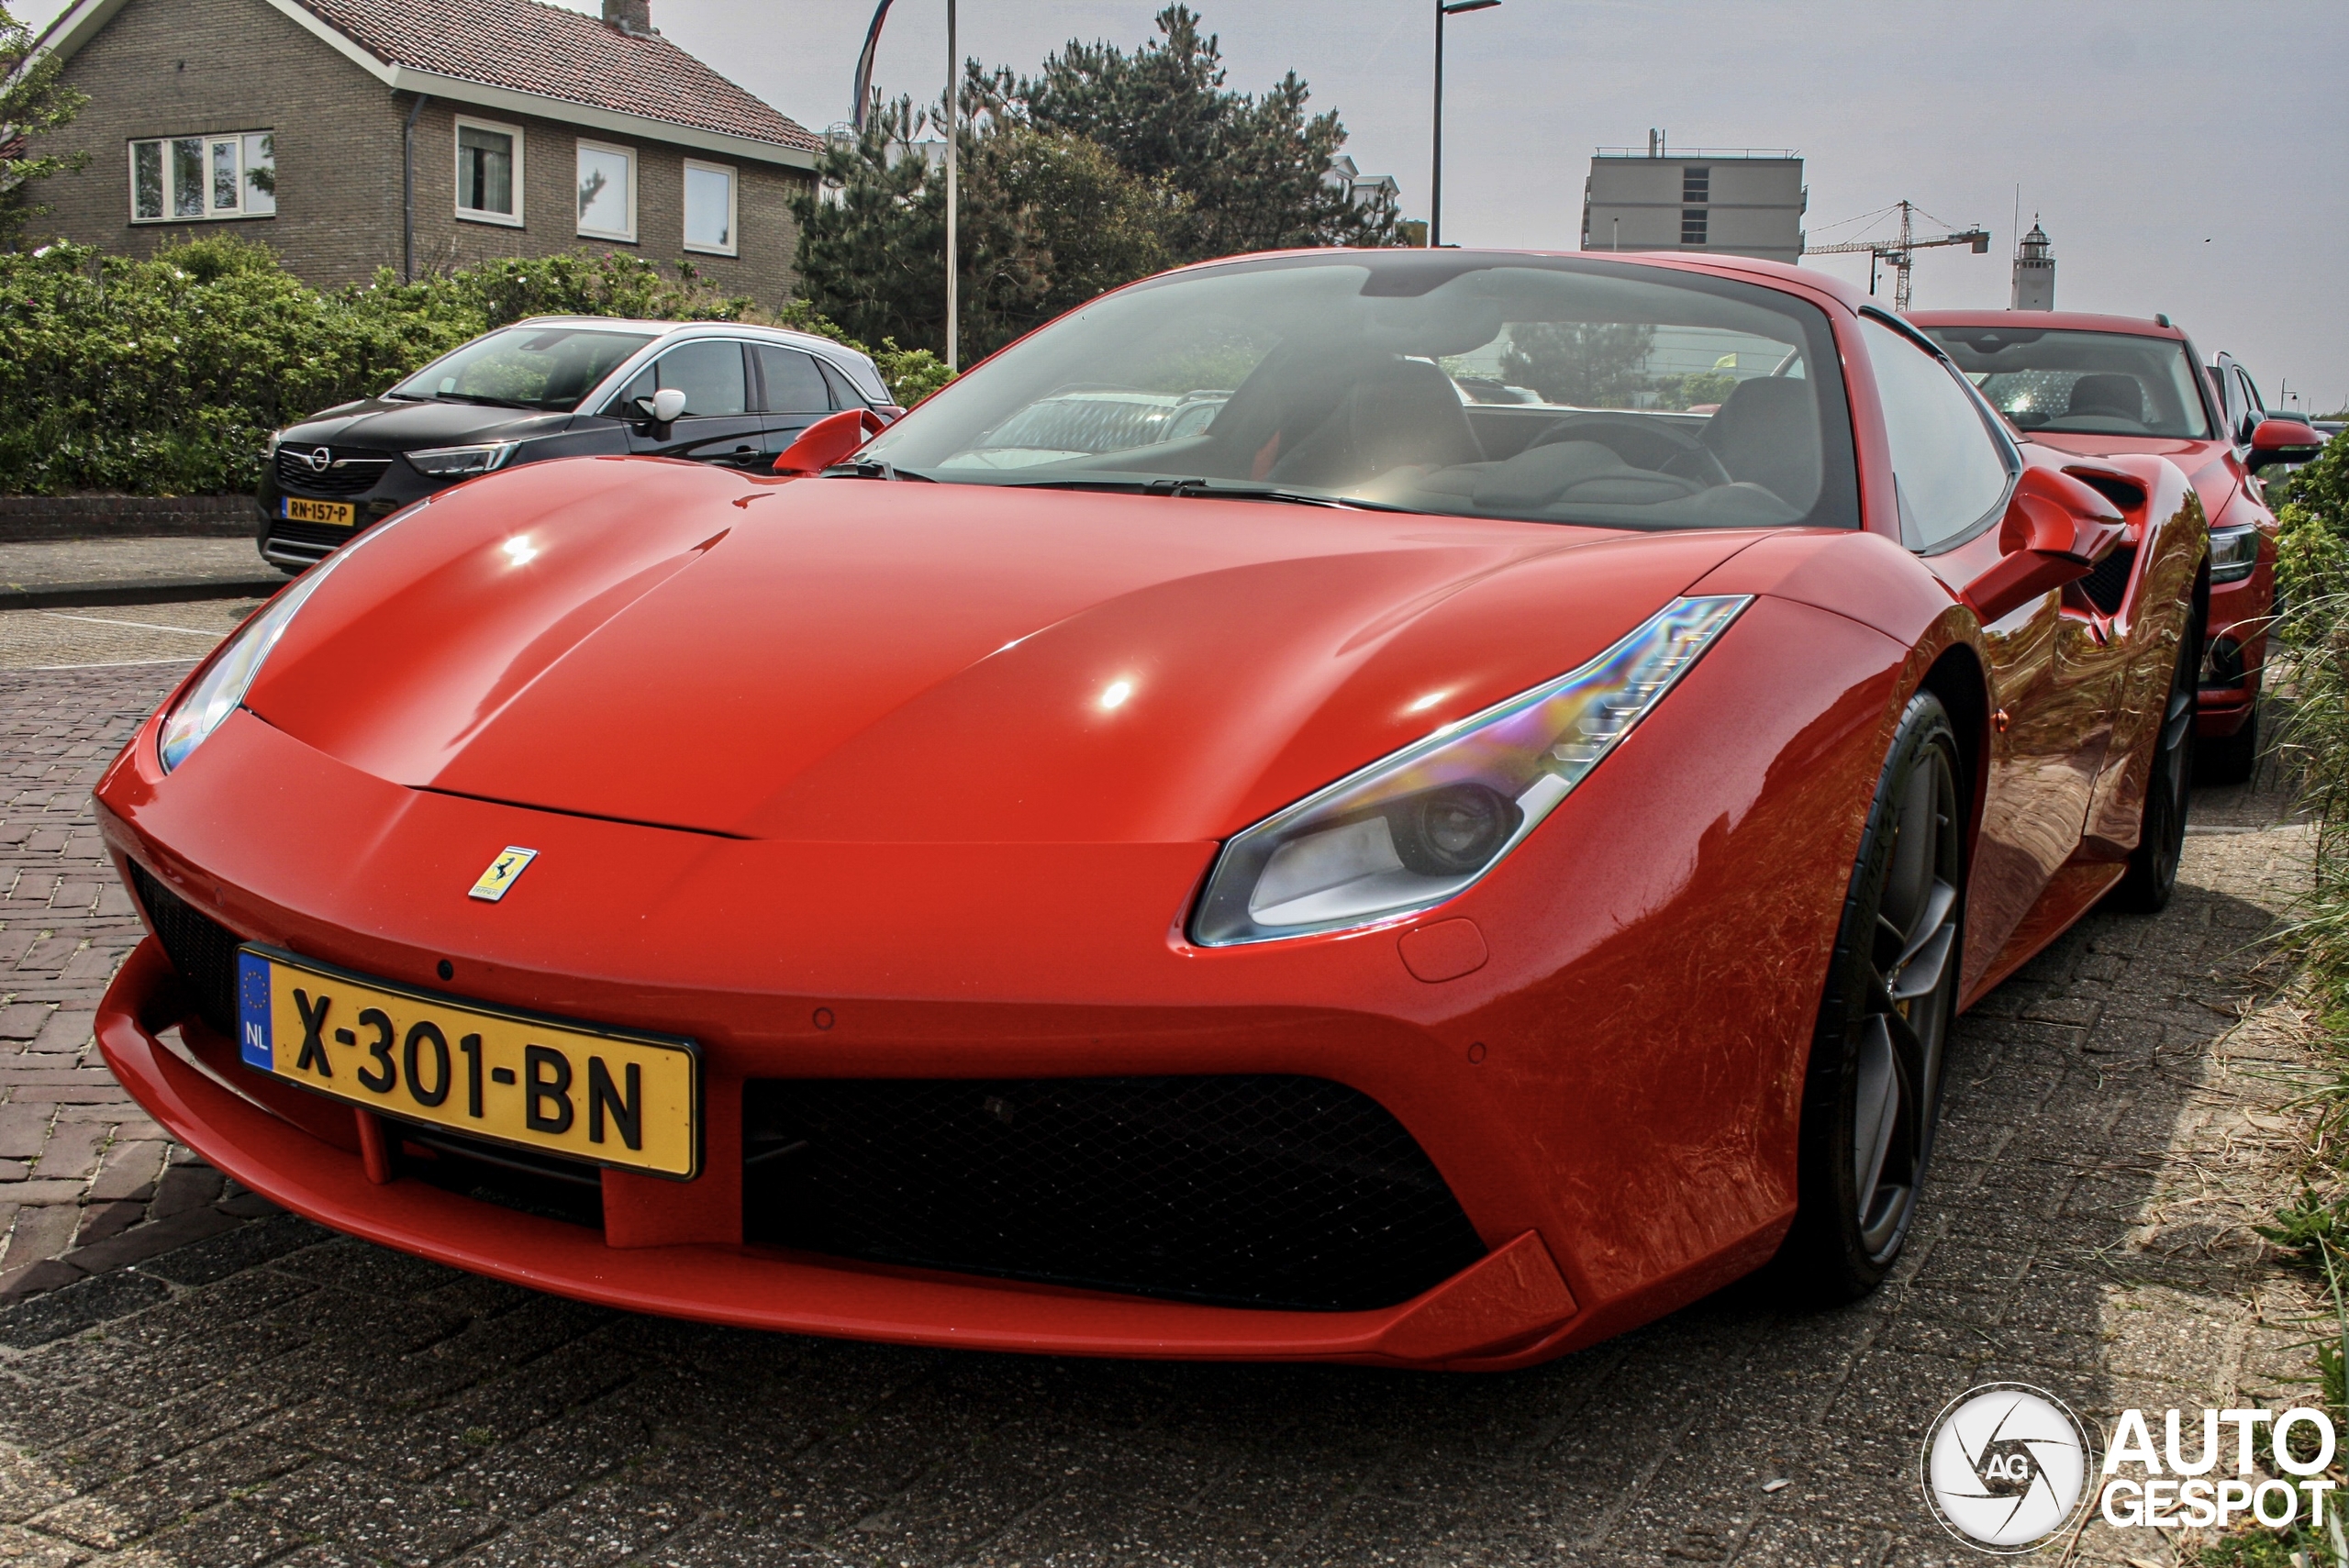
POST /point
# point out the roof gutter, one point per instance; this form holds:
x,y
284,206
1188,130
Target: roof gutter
x,y
408,190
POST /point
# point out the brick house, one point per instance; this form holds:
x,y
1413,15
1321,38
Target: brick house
x,y
417,135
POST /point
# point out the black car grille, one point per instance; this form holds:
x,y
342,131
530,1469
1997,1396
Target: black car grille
x,y
2108,584
545,1184
350,471
1243,1191
324,535
200,948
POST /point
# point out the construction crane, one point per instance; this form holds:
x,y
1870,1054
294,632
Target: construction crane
x,y
1899,254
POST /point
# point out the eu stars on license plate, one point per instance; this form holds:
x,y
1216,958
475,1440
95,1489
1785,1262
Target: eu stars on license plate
x,y
615,1097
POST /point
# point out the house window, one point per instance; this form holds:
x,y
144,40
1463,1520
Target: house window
x,y
710,207
1692,226
1696,187
489,172
606,192
175,179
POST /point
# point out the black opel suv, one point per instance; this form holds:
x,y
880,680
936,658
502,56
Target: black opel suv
x,y
553,386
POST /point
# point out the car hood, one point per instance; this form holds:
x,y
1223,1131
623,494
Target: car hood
x,y
855,660
398,425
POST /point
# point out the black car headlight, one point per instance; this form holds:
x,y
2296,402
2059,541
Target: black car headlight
x,y
1414,828
2235,553
461,463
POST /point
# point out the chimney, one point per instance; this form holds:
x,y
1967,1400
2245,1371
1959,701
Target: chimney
x,y
633,17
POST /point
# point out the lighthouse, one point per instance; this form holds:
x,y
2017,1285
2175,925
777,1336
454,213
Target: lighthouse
x,y
2035,272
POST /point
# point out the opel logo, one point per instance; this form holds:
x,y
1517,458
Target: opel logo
x,y
320,459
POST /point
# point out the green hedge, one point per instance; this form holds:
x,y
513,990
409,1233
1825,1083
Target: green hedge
x,y
165,377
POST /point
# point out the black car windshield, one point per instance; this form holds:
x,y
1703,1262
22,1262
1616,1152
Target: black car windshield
x,y
545,368
2081,383
1550,389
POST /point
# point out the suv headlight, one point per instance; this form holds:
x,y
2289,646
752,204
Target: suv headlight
x,y
461,462
2233,553
1414,828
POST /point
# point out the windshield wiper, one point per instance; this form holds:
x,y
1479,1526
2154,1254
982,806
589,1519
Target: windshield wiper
x,y
874,468
476,397
1198,487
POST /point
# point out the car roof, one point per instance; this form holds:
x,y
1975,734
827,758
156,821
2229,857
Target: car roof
x,y
2048,320
797,339
1751,269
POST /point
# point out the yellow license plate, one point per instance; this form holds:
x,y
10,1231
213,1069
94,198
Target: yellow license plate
x,y
340,514
611,1097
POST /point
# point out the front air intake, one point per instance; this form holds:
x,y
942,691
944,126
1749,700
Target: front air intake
x,y
1241,1191
200,948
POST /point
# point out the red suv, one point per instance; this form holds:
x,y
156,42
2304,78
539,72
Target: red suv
x,y
2103,385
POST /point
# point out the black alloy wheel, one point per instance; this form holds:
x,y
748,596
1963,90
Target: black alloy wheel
x,y
1873,1092
2152,876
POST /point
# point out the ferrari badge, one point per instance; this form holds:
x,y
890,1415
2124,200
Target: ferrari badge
x,y
508,866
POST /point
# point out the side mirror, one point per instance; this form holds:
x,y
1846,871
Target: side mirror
x,y
2284,440
663,408
2055,530
828,440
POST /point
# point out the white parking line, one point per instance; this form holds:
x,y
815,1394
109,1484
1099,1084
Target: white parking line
x,y
121,663
141,625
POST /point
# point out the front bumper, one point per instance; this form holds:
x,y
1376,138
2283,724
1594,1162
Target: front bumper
x,y
1508,1309
2236,649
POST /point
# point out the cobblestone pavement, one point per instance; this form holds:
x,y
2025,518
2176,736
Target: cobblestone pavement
x,y
33,564
273,1394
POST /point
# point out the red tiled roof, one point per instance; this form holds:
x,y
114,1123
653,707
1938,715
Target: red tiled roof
x,y
526,47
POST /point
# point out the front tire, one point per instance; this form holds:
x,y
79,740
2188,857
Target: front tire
x,y
2229,759
1873,1092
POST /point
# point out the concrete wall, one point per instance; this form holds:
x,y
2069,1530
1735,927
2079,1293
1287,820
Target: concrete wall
x,y
189,67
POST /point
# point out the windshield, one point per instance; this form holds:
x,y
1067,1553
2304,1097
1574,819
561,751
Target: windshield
x,y
546,368
2081,383
1548,389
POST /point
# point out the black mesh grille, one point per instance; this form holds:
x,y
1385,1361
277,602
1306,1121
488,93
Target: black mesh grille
x,y
520,1179
201,949
1268,1192
347,472
2108,584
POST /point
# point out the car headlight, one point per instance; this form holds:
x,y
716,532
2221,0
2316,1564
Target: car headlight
x,y
2233,553
458,463
217,691
1414,828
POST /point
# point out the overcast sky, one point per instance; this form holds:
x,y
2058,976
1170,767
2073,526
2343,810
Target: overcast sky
x,y
2186,158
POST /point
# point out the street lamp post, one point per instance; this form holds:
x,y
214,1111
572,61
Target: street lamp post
x,y
1435,185
954,315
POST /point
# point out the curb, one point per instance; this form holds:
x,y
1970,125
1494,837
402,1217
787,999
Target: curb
x,y
144,590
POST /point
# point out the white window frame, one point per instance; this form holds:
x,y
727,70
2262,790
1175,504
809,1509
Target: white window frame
x,y
733,209
457,175
209,139
614,150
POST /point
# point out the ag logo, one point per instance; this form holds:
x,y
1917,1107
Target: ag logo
x,y
2005,1466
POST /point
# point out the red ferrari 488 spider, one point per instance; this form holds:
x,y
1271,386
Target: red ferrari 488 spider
x,y
1201,841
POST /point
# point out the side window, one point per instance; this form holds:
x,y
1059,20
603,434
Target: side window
x,y
1948,469
794,384
2255,406
2231,408
844,392
710,372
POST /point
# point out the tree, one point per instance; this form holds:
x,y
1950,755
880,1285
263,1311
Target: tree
x,y
33,102
1252,172
1045,221
1592,364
